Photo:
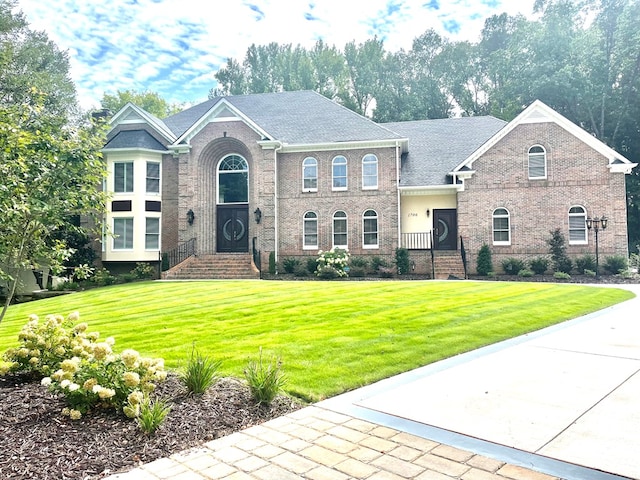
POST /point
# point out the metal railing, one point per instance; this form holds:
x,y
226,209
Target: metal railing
x,y
463,254
256,255
417,241
179,254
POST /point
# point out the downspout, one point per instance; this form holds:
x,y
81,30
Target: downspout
x,y
398,193
275,200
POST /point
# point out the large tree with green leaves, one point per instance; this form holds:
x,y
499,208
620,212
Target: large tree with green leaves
x,y
151,102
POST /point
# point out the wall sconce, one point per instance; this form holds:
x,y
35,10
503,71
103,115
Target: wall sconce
x,y
428,213
190,217
257,213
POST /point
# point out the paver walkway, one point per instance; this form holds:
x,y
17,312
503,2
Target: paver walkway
x,y
319,444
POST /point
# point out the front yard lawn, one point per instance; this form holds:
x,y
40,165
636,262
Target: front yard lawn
x,y
331,336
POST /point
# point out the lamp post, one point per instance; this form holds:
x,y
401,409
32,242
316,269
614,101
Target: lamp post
x,y
597,224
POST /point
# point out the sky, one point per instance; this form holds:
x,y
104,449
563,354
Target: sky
x,y
175,47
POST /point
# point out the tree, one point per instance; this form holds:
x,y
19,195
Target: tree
x,y
48,171
151,102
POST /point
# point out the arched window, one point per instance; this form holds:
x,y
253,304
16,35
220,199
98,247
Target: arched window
x,y
577,225
501,227
233,180
339,173
370,229
537,162
370,171
310,175
340,229
310,228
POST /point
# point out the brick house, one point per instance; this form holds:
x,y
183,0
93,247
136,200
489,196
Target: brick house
x,y
293,173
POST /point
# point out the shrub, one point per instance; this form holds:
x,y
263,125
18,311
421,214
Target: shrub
x,y
289,264
361,262
127,277
357,272
525,272
103,277
512,266
327,273
377,262
539,265
615,264
265,379
143,271
200,373
165,262
385,272
402,261
312,264
300,271
152,415
557,248
272,263
484,262
586,262
561,276
336,259
590,273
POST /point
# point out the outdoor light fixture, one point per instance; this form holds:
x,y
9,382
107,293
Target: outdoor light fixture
x,y
597,224
428,212
190,217
257,213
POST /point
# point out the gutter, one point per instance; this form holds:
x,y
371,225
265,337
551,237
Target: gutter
x,y
275,199
398,193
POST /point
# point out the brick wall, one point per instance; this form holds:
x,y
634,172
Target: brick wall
x,y
576,175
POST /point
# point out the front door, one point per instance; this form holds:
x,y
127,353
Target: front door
x,y
233,228
445,229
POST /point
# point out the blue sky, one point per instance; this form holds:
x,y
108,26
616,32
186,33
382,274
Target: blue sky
x,y
174,47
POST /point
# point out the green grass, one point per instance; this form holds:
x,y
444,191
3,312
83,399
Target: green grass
x,y
331,336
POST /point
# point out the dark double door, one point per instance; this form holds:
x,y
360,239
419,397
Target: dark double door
x,y
445,229
232,227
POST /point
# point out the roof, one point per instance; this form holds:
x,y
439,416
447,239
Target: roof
x,y
297,118
140,139
436,147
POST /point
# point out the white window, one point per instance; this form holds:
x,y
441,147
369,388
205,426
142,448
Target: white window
x,y
340,229
153,177
233,180
339,173
370,171
577,225
537,162
152,234
501,227
310,227
123,233
310,175
123,177
370,229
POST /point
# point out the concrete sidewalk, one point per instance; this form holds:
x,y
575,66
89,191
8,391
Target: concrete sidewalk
x,y
558,403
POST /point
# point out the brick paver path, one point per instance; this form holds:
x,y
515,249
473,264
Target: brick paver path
x,y
319,444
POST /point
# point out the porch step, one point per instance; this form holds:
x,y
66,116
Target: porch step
x,y
221,266
447,264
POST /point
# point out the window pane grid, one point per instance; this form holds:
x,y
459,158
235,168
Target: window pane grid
x,y
123,233
339,173
123,177
340,229
370,171
577,225
310,226
152,235
153,177
310,174
370,229
501,227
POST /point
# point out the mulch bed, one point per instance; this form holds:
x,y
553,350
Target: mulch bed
x,y
38,443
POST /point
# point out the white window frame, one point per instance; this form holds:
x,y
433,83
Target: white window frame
x,y
126,173
152,234
152,179
338,162
310,181
307,220
499,215
126,239
340,216
365,232
371,161
535,156
575,215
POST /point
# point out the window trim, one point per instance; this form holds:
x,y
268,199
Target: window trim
x,y
531,154
370,162
305,221
157,179
147,234
125,177
571,215
314,178
339,215
334,164
365,232
116,236
494,230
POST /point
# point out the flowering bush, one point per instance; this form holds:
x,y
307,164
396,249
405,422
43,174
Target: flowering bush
x,y
333,263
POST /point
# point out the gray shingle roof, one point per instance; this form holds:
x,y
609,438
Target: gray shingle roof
x,y
304,117
436,147
135,139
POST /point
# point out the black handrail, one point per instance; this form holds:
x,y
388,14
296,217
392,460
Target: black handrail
x,y
179,254
256,255
463,253
433,260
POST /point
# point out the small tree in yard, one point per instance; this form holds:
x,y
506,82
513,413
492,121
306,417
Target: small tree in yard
x,y
557,249
485,264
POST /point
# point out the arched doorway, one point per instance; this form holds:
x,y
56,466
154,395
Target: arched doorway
x,y
232,204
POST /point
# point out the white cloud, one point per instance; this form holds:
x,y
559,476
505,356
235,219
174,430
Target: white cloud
x,y
174,47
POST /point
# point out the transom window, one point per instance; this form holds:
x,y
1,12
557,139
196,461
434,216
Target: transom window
x,y
153,177
310,175
370,171
233,180
123,233
370,229
537,162
577,225
340,229
339,173
501,227
310,227
123,177
152,234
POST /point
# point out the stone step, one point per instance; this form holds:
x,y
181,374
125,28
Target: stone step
x,y
219,266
